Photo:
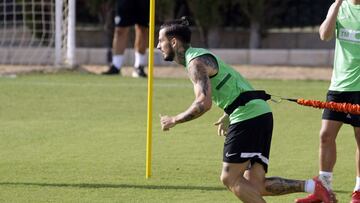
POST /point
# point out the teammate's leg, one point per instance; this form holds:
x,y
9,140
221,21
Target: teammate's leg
x,y
119,46
327,150
123,21
141,36
140,45
356,193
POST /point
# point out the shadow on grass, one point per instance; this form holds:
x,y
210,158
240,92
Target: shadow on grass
x,y
129,186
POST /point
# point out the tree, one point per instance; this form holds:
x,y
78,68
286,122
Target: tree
x,y
256,15
164,10
254,10
207,19
262,15
104,10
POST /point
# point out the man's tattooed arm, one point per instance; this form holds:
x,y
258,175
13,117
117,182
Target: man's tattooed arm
x,y
209,61
198,74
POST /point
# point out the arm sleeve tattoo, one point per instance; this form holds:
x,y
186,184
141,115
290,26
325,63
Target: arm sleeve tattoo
x,y
199,76
208,60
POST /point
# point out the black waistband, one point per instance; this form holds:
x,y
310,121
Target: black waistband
x,y
245,97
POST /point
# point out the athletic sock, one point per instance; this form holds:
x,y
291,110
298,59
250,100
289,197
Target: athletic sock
x,y
140,59
309,186
117,61
357,186
326,179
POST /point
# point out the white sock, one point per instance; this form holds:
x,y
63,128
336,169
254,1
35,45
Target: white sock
x,y
326,179
357,186
140,59
117,61
309,186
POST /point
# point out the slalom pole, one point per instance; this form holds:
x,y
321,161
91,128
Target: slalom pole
x,y
150,88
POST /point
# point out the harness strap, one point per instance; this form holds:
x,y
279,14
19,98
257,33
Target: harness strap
x,y
245,97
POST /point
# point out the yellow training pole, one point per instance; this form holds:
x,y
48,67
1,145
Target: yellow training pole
x,y
150,88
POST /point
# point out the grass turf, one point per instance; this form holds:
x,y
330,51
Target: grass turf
x,y
74,137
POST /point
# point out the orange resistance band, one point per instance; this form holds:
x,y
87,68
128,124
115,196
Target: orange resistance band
x,y
340,107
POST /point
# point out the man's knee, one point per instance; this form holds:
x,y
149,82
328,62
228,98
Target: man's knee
x,y
224,179
228,180
232,174
121,31
327,136
357,133
141,29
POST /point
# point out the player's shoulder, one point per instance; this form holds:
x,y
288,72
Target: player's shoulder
x,y
204,59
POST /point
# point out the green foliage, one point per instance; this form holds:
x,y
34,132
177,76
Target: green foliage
x,y
206,12
164,10
254,9
94,5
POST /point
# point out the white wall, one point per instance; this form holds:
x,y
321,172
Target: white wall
x,y
97,56
296,57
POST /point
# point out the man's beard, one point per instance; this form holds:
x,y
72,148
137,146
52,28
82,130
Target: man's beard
x,y
170,56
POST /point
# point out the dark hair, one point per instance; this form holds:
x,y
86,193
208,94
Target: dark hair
x,y
178,28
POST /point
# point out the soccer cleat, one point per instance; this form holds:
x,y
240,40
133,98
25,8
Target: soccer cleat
x,y
322,193
355,197
112,71
139,72
311,198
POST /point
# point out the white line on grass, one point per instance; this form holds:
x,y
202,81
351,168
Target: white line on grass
x,y
161,85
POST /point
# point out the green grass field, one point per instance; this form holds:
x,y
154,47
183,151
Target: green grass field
x,y
73,137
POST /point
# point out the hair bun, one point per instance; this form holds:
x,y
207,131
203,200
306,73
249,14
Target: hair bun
x,y
184,21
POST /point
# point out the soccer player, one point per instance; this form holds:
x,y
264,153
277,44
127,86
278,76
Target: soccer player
x,y
248,137
130,13
343,22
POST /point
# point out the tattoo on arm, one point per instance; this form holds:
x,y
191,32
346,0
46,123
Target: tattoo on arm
x,y
209,61
195,110
199,76
281,186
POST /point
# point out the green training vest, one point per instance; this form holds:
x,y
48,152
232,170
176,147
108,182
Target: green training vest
x,y
226,85
346,72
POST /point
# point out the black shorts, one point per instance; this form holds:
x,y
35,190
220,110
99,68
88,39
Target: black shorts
x,y
131,12
249,140
342,97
